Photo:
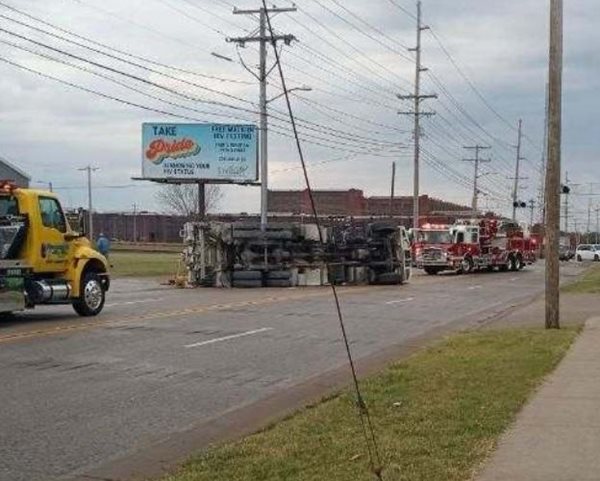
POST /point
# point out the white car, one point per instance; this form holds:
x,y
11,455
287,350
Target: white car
x,y
588,252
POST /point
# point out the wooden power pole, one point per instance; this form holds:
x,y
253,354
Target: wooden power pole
x,y
553,165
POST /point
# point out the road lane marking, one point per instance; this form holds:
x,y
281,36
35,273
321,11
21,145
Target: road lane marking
x,y
130,303
513,279
201,309
400,301
472,288
227,338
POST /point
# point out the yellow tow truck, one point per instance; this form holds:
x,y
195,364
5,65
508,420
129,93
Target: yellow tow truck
x,y
44,261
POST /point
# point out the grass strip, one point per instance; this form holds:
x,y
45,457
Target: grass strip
x,y
438,415
588,284
143,264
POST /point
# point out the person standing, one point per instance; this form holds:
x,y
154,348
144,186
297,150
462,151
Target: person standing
x,y
103,245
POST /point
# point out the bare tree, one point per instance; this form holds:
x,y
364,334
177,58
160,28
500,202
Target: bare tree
x,y
183,199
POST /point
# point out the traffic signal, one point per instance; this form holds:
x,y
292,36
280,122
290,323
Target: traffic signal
x,y
520,205
565,189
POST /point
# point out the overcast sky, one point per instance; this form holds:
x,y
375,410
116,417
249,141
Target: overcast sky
x,y
353,56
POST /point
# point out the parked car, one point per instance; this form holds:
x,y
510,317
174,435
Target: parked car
x,y
588,252
565,253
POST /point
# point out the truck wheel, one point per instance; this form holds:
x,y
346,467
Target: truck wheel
x,y
579,258
92,297
596,258
520,265
512,263
467,265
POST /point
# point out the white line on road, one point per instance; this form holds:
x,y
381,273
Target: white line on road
x,y
227,338
129,303
513,279
472,288
400,301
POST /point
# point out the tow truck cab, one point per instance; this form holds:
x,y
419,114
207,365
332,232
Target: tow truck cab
x,y
42,260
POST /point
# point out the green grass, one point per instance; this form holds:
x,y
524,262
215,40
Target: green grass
x,y
437,416
143,264
588,284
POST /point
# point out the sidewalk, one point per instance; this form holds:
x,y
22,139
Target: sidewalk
x,y
557,435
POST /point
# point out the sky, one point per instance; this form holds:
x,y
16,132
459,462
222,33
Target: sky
x,y
487,63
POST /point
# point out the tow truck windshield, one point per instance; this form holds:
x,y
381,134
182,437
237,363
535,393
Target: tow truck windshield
x,y
435,237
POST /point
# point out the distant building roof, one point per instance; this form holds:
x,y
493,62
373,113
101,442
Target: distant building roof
x,y
15,168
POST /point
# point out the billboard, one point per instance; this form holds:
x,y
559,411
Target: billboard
x,y
198,152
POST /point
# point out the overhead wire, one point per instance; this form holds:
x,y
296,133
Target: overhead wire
x,y
363,410
307,124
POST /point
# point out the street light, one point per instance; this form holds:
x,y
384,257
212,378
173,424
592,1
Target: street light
x,y
293,89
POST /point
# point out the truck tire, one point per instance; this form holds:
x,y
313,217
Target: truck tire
x,y
247,276
467,265
431,271
596,258
519,264
248,283
579,258
92,297
279,276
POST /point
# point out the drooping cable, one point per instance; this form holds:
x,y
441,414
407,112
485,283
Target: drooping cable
x,y
363,411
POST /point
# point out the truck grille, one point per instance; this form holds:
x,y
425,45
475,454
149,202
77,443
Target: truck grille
x,y
432,254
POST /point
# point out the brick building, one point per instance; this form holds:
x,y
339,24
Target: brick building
x,y
354,203
284,206
328,202
149,227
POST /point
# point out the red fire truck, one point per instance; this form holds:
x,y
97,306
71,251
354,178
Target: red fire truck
x,y
473,245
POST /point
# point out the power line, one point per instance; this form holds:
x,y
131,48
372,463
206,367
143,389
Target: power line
x,y
363,411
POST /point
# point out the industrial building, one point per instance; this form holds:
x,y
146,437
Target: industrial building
x,y
10,171
284,206
354,203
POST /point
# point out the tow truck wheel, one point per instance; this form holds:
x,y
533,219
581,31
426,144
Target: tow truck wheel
x,y
92,297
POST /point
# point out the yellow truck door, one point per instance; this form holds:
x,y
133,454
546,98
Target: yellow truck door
x,y
54,249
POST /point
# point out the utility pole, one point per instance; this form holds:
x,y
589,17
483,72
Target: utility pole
x,y
553,168
542,192
477,160
416,113
393,191
517,172
263,39
89,169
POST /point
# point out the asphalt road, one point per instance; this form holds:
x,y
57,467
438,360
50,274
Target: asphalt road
x,y
79,394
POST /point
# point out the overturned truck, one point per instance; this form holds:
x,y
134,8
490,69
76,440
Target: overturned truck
x,y
343,251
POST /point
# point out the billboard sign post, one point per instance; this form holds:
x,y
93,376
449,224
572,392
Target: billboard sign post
x,y
200,153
